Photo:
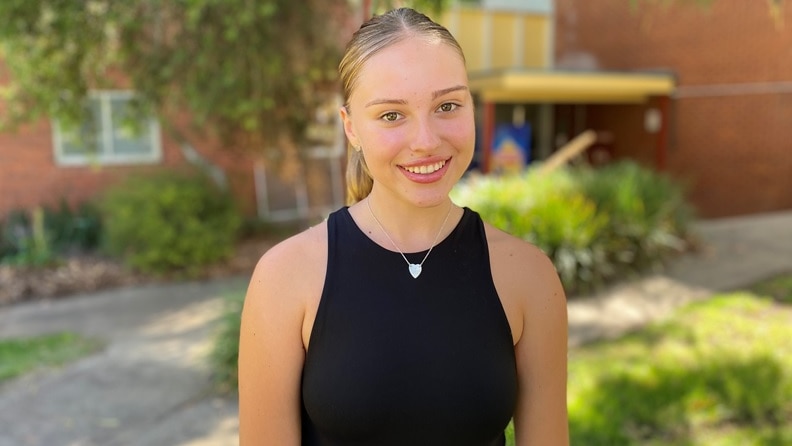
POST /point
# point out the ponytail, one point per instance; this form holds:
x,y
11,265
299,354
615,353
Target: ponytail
x,y
358,179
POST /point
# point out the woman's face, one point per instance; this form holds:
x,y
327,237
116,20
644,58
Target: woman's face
x,y
412,114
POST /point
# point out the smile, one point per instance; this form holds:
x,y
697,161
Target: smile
x,y
425,169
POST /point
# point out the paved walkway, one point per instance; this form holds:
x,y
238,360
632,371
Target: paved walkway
x,y
150,385
735,252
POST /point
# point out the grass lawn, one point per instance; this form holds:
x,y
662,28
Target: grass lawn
x,y
718,373
18,356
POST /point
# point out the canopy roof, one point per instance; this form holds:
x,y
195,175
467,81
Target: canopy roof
x,y
525,86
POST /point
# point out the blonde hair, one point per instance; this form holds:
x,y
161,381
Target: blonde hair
x,y
374,35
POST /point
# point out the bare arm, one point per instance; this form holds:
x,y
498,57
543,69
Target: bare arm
x,y
541,414
271,352
536,307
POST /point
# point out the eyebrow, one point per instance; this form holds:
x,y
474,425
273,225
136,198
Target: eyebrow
x,y
385,101
445,91
435,95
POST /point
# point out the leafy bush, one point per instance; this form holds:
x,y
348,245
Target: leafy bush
x,y
549,211
14,231
72,229
506,200
648,215
594,224
25,239
40,236
169,222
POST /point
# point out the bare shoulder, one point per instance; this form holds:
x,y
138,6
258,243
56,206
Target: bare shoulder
x,y
290,268
505,243
296,252
517,260
526,280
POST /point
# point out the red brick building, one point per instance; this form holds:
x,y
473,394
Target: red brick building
x,y
40,166
37,167
730,117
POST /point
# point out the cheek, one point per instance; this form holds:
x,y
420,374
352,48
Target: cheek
x,y
461,132
384,141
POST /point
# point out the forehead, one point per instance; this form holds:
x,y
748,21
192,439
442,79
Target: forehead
x,y
409,67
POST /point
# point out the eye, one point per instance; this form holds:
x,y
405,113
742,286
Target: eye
x,y
390,116
447,107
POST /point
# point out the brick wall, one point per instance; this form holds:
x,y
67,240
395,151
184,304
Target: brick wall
x,y
731,126
29,175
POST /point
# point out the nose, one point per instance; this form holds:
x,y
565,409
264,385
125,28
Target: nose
x,y
426,137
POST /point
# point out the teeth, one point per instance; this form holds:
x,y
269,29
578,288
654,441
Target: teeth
x,y
425,169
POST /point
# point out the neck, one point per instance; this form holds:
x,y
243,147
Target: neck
x,y
412,229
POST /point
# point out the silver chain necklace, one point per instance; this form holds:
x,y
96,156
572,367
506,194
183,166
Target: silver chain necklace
x,y
415,268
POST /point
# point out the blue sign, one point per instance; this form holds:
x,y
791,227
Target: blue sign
x,y
511,148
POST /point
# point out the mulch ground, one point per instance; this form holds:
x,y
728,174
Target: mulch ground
x,y
88,273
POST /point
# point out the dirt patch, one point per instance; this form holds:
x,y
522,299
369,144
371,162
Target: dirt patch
x,y
87,273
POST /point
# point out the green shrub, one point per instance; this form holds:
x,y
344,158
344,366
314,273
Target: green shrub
x,y
14,231
568,229
39,236
26,241
75,228
169,222
647,213
550,212
505,200
595,225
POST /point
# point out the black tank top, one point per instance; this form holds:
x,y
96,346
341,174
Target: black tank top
x,y
394,360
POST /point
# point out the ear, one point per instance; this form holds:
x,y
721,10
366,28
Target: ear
x,y
346,119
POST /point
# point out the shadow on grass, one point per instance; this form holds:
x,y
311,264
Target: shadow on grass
x,y
777,287
666,405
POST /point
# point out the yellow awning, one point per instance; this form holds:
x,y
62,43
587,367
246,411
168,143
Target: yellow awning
x,y
523,86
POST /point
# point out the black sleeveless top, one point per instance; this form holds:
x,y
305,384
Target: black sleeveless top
x,y
394,360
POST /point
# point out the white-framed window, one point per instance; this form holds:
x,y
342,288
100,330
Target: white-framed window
x,y
116,138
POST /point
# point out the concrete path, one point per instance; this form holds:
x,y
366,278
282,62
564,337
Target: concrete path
x,y
735,252
150,386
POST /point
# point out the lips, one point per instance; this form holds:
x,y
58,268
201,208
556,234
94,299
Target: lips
x,y
426,168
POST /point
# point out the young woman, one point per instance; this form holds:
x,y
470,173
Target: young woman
x,y
404,319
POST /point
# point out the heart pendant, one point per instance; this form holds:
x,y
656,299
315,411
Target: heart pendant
x,y
415,270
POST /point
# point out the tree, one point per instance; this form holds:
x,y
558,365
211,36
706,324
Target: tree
x,y
248,71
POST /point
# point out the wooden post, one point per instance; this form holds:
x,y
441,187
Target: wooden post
x,y
570,150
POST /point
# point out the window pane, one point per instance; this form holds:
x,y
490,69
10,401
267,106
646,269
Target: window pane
x,y
113,135
85,140
130,136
